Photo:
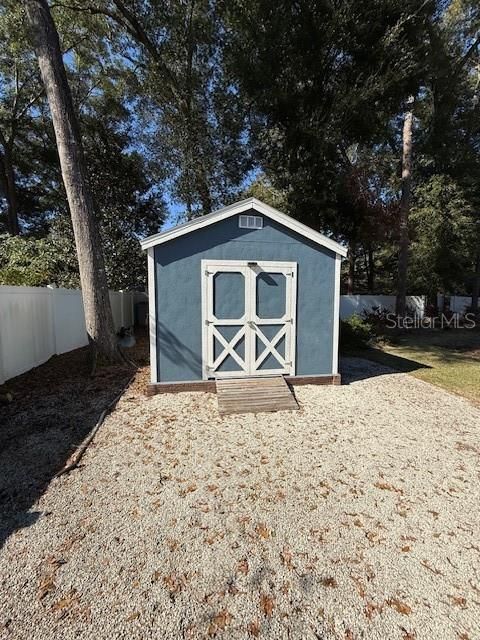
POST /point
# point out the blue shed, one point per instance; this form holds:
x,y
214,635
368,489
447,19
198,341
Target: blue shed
x,y
241,292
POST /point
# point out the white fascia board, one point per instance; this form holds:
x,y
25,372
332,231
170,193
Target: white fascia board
x,y
240,207
196,223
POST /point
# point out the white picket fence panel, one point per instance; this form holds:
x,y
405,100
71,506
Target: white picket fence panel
x,y
39,322
350,305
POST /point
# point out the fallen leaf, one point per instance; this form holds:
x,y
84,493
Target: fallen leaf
x,y
253,628
214,536
172,544
190,488
387,487
45,586
174,583
222,619
465,446
66,601
132,616
360,586
267,604
190,632
349,634
242,567
69,542
329,582
262,530
55,562
459,601
399,606
286,557
371,609
285,588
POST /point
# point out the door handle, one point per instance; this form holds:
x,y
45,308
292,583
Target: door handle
x,y
251,324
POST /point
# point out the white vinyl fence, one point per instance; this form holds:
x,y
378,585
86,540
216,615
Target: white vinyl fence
x,y
38,322
349,305
458,304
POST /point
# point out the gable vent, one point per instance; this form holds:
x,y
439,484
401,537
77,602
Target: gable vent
x,y
250,222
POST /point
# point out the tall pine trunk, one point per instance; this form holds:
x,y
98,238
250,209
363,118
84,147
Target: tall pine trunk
x,y
351,269
371,270
98,313
476,284
7,178
404,242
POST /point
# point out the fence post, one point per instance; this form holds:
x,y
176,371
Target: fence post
x,y
122,309
2,371
53,306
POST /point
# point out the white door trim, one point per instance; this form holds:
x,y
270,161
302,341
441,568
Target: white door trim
x,y
152,320
251,322
336,313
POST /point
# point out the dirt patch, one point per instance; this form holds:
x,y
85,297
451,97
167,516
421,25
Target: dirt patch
x,y
55,406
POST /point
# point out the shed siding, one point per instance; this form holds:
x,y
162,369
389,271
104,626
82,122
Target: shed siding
x,y
178,296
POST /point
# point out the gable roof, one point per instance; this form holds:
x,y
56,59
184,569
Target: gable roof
x,y
241,207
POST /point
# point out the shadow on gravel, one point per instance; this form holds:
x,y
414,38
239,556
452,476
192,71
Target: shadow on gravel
x,y
369,363
54,408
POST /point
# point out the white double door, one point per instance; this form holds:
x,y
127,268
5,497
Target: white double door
x,y
248,318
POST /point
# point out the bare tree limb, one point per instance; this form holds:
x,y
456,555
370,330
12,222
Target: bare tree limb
x,y
469,53
126,19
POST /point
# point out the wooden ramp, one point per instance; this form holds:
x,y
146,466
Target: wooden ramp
x,y
252,395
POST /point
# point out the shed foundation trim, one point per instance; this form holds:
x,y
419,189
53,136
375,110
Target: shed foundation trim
x,y
210,386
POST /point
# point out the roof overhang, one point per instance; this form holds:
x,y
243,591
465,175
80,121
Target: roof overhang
x,y
241,207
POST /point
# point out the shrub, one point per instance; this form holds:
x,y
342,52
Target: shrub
x,y
355,332
36,262
376,318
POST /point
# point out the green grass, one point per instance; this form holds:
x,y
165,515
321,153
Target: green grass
x,y
449,359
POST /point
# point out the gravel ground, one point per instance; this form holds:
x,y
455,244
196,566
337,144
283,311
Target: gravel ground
x,y
355,517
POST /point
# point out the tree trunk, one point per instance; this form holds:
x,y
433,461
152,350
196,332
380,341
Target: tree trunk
x,y
8,181
371,270
404,211
98,313
351,269
204,193
476,285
